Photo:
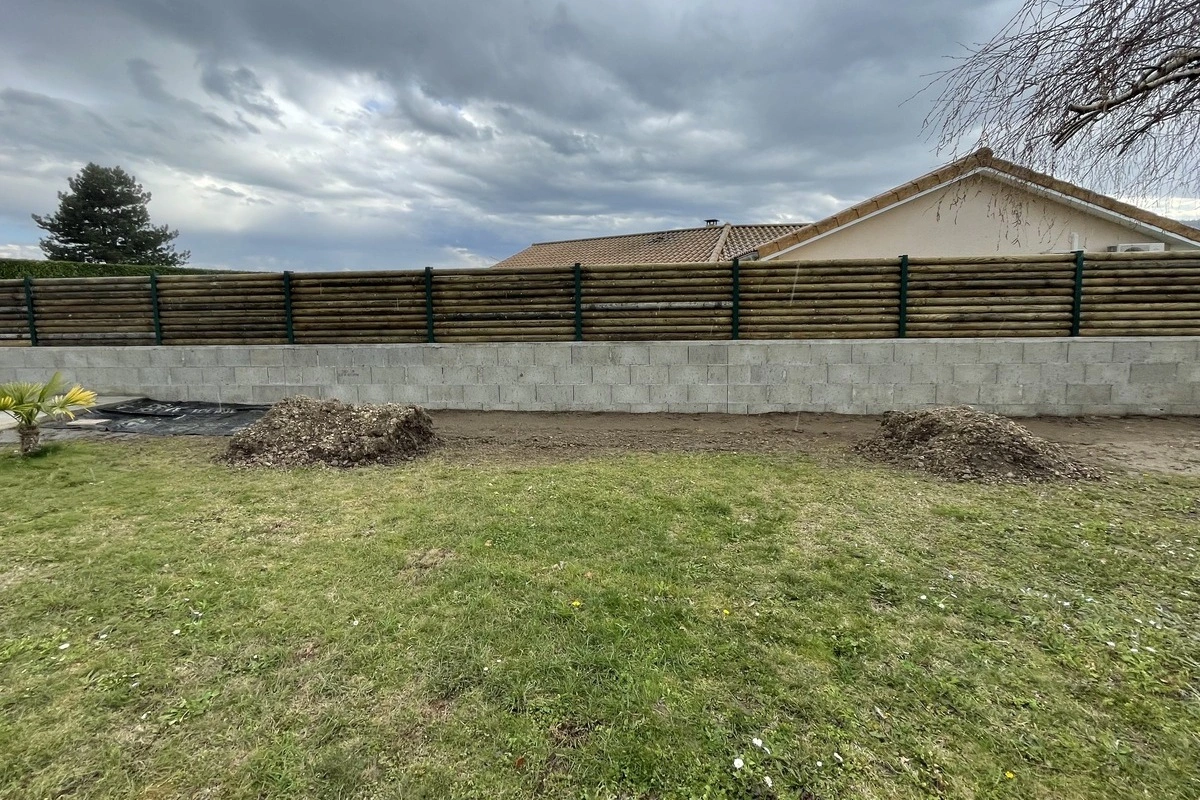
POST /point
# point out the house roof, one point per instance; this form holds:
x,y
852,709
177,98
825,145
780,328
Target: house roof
x,y
689,245
982,159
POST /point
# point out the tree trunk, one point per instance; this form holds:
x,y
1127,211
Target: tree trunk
x,y
31,437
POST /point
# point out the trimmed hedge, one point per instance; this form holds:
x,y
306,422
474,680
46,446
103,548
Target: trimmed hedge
x,y
21,268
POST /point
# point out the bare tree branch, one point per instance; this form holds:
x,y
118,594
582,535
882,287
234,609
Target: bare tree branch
x,y
1106,91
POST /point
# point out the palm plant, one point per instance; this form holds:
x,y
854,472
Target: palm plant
x,y
27,403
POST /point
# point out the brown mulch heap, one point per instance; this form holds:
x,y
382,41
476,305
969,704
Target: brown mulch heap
x,y
300,431
963,444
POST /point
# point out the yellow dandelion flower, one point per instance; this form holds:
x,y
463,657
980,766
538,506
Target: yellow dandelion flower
x,y
576,603
1009,775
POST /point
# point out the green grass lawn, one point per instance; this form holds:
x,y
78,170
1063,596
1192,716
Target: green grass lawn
x,y
612,628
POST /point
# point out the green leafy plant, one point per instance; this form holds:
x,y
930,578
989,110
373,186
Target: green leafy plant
x,y
27,403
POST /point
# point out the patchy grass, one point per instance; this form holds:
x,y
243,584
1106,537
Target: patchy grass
x,y
619,627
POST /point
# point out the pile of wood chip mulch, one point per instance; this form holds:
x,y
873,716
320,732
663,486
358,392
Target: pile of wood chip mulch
x,y
300,431
963,444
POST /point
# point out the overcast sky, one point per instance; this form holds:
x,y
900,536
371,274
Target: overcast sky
x,y
311,134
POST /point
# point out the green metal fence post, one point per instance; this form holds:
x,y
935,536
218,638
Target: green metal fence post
x,y
29,315
287,307
1077,299
155,312
735,322
578,302
902,331
429,337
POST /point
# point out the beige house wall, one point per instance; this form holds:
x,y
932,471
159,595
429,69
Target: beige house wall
x,y
975,216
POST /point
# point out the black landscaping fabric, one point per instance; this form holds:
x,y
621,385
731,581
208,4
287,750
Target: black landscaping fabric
x,y
161,418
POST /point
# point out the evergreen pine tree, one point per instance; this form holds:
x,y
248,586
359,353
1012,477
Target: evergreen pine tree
x,y
103,220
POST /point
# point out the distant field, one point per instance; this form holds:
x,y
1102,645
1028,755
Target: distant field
x,y
20,268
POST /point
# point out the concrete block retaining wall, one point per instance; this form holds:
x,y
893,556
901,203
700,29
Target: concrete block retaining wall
x,y
1020,377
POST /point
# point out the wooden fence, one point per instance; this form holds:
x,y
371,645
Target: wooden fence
x,y
1077,294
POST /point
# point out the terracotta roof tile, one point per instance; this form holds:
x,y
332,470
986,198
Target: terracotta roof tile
x,y
689,245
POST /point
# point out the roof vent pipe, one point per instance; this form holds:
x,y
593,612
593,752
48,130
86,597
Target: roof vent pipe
x,y
711,223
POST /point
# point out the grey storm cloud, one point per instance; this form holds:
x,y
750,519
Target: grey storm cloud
x,y
309,134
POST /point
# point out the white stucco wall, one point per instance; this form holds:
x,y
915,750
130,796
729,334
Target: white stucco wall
x,y
976,216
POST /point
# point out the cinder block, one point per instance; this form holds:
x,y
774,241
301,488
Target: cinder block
x,y
708,393
465,375
1153,373
612,375
631,394
913,351
1157,350
512,396
535,375
914,395
997,394
299,356
266,357
390,376
1052,352
747,353
422,374
551,354
348,375
595,397
872,353
668,354
849,373
687,373
666,394
770,373
508,355
227,355
377,393
1001,351
1085,394
445,396
1018,374
717,374
687,408
268,395
889,373
647,374
483,396
184,375
932,373
1089,352
747,393
172,356
1151,395
599,354
708,354
630,354
737,408
830,397
318,376
1106,373
736,373
122,356
975,373
791,395
250,376
573,374
956,352
953,394
404,355
808,353
874,398
1074,372
555,395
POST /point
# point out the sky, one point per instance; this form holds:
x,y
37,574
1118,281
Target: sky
x,y
361,134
